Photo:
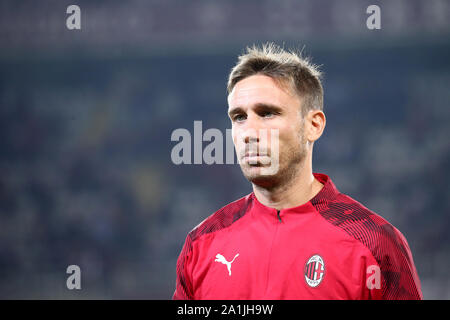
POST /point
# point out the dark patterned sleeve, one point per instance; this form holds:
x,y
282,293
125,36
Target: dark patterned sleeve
x,y
400,278
183,290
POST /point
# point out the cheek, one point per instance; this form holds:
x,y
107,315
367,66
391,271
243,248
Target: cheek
x,y
234,134
288,134
297,131
290,139
289,129
237,141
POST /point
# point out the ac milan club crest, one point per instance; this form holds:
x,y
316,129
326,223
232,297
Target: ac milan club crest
x,y
314,271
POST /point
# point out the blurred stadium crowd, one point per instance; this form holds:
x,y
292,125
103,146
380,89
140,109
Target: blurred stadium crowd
x,y
86,176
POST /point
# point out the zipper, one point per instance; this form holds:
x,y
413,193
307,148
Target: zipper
x,y
278,215
270,256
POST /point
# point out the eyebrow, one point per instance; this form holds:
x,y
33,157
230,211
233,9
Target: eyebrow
x,y
259,107
234,111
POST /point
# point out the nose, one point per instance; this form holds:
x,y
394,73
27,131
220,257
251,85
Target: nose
x,y
251,129
249,136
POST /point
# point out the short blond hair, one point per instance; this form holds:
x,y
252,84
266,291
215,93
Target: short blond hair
x,y
286,67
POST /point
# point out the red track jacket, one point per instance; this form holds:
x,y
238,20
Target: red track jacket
x,y
331,247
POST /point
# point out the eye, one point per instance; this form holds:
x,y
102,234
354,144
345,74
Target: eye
x,y
267,114
239,117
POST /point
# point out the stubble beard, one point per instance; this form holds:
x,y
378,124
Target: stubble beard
x,y
291,160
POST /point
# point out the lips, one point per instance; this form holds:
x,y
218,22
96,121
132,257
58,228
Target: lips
x,y
254,154
256,158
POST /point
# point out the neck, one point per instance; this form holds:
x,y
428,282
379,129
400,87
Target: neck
x,y
301,188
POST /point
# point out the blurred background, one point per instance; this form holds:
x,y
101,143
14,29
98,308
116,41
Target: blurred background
x,y
86,118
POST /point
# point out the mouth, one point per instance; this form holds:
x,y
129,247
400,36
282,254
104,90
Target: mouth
x,y
255,155
250,152
256,159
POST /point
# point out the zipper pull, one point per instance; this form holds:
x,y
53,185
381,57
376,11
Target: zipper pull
x,y
278,215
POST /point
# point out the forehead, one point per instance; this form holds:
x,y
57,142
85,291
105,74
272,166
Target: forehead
x,y
260,89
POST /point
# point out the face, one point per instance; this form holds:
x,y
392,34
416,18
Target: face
x,y
267,130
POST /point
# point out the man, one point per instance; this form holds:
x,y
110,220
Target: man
x,y
295,236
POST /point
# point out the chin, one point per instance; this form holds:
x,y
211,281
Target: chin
x,y
260,176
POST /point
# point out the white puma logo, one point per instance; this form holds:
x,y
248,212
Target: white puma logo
x,y
221,258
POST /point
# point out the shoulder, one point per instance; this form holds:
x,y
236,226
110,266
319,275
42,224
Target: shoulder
x,y
362,223
222,218
386,243
349,214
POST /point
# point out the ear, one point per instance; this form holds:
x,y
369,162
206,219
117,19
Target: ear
x,y
314,125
